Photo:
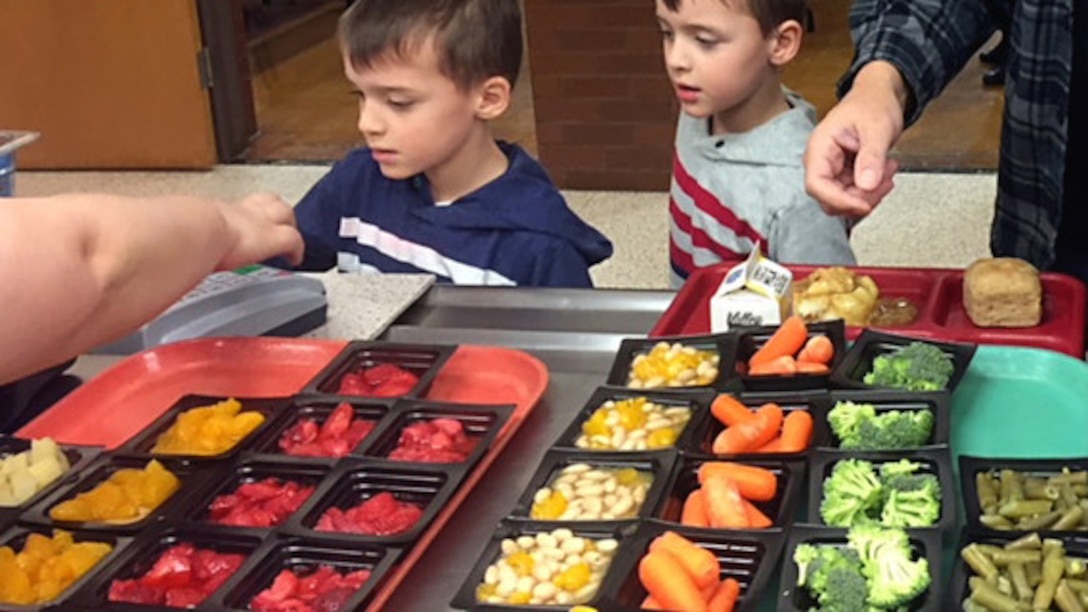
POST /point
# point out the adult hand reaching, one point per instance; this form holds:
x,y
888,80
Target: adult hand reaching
x,y
261,226
847,169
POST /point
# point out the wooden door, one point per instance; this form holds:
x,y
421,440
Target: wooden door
x,y
108,83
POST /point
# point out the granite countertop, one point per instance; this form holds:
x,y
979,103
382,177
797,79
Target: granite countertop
x,y
361,306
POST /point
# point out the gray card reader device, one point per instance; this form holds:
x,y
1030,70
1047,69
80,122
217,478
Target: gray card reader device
x,y
251,301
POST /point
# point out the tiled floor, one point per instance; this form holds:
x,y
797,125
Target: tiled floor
x,y
930,220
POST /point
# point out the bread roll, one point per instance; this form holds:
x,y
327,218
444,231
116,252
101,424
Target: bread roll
x,y
1003,292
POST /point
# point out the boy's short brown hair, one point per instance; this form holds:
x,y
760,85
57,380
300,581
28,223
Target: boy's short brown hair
x,y
769,13
475,39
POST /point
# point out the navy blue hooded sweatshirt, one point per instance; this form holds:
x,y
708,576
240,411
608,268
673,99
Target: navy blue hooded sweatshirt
x,y
516,230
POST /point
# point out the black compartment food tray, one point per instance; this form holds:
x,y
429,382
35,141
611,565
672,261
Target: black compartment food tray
x,y
697,400
958,589
925,542
430,485
423,360
936,461
751,339
750,557
622,531
938,402
193,477
15,537
658,463
813,402
319,408
289,552
79,457
970,466
142,443
255,469
859,359
725,345
790,475
145,550
480,421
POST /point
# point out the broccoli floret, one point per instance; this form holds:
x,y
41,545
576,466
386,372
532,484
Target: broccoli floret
x,y
918,366
894,429
911,508
845,419
894,579
851,492
833,576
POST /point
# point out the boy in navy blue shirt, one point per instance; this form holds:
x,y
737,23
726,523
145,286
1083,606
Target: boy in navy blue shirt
x,y
433,191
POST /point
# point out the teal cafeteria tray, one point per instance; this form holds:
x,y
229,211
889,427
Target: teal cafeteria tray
x,y
1021,402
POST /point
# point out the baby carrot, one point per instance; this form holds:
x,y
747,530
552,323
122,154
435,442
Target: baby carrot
x,y
789,338
753,482
650,604
808,367
700,563
751,434
724,504
783,365
667,582
796,431
818,349
725,598
694,511
774,446
729,411
756,517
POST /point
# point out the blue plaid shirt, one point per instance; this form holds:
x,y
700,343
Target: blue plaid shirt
x,y
930,41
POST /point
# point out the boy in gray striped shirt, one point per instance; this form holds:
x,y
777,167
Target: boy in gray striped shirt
x,y
738,179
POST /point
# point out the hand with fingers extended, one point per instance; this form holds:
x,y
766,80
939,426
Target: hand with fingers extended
x,y
261,226
847,169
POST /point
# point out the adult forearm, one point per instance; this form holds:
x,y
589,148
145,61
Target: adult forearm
x,y
84,269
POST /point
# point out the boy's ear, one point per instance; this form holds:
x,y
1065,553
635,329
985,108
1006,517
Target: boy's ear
x,y
785,42
494,98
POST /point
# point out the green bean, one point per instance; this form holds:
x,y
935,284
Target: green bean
x,y
1074,568
1070,519
1011,488
1080,586
1081,490
1053,568
1019,576
984,487
1023,508
970,606
1068,495
1031,541
1043,521
996,521
984,594
1035,573
1066,599
1084,506
979,561
1006,557
1035,488
1080,477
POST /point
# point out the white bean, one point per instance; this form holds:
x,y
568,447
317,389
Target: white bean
x,y
508,546
526,584
525,542
574,545
491,575
607,545
541,495
545,590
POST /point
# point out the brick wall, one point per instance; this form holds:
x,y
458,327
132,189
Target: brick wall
x,y
605,114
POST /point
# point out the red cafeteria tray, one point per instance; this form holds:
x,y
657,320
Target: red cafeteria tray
x,y
120,402
938,294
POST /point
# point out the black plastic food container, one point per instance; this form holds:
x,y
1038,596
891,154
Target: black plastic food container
x,y
428,486
422,360
725,345
749,557
696,400
657,464
319,408
971,466
850,373
143,442
481,422
751,339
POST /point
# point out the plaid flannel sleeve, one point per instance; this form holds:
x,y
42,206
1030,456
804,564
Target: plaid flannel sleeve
x,y
929,41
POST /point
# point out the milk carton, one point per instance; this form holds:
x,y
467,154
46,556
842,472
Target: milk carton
x,y
755,292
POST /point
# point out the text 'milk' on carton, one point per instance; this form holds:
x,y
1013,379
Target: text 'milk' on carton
x,y
755,292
